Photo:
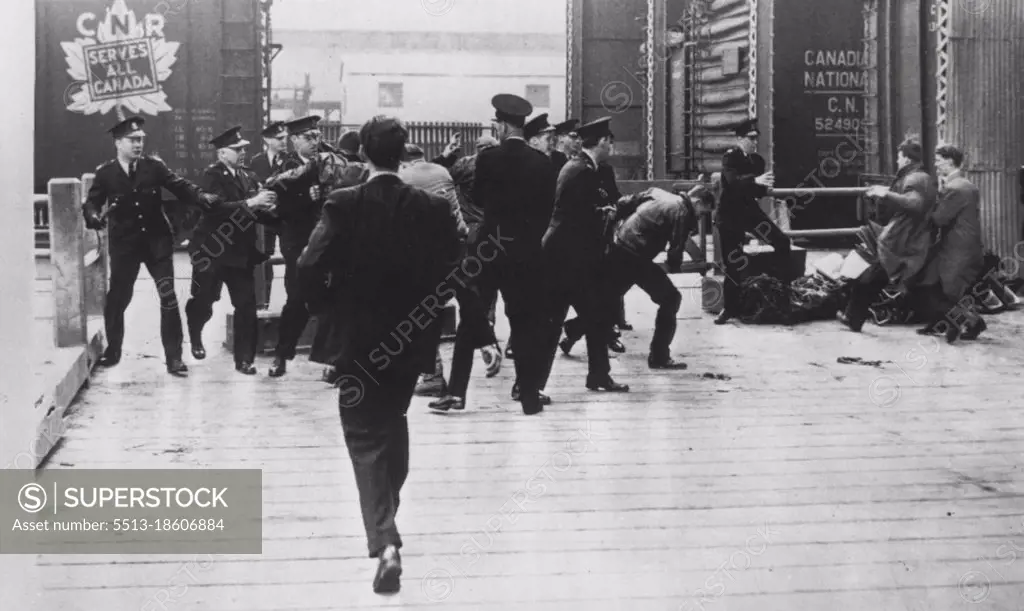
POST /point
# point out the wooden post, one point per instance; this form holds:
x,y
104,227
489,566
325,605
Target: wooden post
x,y
96,262
67,258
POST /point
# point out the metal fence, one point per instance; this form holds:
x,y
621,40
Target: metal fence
x,y
432,137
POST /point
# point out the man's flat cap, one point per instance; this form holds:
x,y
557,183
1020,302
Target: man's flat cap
x,y
232,138
596,129
305,124
132,126
510,108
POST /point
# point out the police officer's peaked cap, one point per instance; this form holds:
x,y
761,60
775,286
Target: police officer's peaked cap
x,y
747,128
596,129
132,126
537,125
566,127
274,130
232,138
305,124
511,109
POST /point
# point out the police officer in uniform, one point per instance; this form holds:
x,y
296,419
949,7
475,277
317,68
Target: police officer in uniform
x,y
575,245
567,141
224,249
305,179
515,186
126,192
744,181
537,132
265,165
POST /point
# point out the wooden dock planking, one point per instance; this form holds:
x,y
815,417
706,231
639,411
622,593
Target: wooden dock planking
x,y
869,504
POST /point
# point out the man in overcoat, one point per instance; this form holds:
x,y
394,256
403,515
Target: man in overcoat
x,y
957,258
906,240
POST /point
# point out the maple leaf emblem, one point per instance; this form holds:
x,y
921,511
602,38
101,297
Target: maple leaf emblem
x,y
121,69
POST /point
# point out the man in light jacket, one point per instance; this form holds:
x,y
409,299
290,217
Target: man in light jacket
x,y
906,240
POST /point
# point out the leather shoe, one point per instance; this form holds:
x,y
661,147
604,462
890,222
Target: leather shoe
x,y
110,358
447,402
279,368
532,407
973,331
246,368
543,398
607,384
853,325
566,345
667,363
176,367
508,351
198,351
724,317
389,572
625,326
616,346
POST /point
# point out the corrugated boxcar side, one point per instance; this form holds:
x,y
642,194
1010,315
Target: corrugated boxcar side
x,y
613,75
985,113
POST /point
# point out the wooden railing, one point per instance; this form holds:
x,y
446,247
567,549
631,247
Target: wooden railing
x,y
432,137
79,262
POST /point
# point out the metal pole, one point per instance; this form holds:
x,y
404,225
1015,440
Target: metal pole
x,y
826,191
816,233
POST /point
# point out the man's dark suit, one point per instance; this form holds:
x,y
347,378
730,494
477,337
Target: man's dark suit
x,y
386,248
224,250
139,233
264,168
739,214
515,186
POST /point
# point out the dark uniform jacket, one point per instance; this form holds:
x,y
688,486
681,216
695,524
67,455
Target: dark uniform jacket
x,y
737,207
298,211
261,166
387,248
135,214
515,186
580,231
226,236
559,159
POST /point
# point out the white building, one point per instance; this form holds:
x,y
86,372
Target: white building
x,y
399,57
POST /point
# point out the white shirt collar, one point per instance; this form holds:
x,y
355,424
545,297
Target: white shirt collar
x,y
127,167
376,173
591,156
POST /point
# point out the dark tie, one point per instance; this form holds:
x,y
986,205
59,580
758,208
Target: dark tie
x,y
131,170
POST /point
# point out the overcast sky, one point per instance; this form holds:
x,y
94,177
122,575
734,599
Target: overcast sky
x,y
547,16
